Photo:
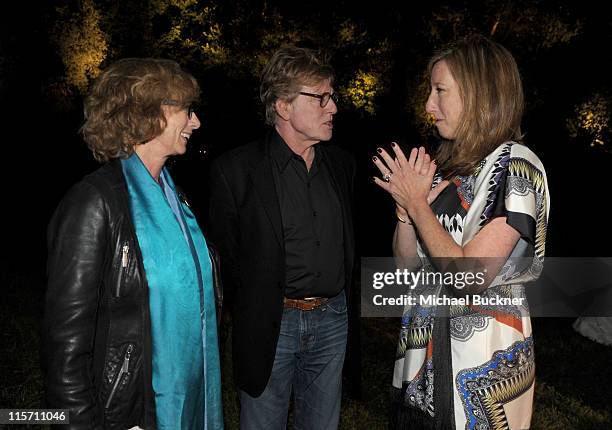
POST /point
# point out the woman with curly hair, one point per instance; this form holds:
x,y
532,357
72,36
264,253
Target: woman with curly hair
x,y
130,334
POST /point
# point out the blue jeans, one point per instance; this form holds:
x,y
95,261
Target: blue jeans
x,y
309,358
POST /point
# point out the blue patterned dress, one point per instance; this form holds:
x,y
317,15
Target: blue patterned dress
x,y
487,350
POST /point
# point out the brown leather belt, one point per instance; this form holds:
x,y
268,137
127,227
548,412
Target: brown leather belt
x,y
305,304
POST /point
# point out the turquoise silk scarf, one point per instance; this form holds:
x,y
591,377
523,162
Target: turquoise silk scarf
x,y
186,373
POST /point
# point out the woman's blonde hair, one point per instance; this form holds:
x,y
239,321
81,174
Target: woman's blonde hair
x,y
493,102
124,105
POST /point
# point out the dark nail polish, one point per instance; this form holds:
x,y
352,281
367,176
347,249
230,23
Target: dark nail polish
x,y
379,150
374,158
393,144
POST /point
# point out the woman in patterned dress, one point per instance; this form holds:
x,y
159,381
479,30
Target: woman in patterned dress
x,y
484,195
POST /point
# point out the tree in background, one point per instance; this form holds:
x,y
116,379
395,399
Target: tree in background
x,y
379,54
81,41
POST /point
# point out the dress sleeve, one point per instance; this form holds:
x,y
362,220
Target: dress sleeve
x,y
522,197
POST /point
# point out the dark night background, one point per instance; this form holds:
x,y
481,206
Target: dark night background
x,y
379,50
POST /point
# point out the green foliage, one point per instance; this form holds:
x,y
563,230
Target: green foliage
x,y
362,90
349,33
370,51
592,121
82,43
525,27
522,25
423,121
369,60
556,31
192,33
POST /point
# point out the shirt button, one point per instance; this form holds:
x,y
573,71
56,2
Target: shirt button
x,y
314,213
318,243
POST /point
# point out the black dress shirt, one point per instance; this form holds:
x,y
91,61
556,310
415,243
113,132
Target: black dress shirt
x,y
312,223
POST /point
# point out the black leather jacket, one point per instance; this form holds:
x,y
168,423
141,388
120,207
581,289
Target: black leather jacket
x,y
96,330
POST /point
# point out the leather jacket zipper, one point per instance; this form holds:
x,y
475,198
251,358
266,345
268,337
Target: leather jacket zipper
x,y
123,371
124,263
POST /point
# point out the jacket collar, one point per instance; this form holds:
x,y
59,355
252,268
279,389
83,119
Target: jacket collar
x,y
263,181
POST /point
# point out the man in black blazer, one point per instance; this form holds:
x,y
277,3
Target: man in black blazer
x,y
280,215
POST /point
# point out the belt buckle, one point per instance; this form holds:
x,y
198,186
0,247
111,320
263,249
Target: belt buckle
x,y
317,301
307,303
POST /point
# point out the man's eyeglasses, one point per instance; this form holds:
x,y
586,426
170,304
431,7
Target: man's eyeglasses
x,y
323,98
190,109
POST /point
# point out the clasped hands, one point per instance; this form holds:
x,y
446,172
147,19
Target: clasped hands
x,y
408,180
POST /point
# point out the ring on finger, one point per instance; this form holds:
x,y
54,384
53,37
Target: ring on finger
x,y
387,177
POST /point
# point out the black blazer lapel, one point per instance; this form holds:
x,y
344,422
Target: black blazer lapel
x,y
263,182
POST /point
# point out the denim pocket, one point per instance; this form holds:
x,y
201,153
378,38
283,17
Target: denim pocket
x,y
338,304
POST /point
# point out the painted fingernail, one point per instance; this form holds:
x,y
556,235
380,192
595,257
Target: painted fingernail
x,y
375,158
379,150
393,144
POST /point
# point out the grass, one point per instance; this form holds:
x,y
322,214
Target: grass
x,y
572,383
